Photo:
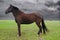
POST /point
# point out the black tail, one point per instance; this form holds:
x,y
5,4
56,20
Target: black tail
x,y
44,27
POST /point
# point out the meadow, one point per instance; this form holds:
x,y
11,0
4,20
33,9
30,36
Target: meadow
x,y
8,31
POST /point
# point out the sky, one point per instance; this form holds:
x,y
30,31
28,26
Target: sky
x,y
25,5
34,1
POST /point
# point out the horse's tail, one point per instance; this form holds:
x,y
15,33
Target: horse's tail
x,y
44,27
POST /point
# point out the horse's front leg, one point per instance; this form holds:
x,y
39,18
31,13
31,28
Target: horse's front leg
x,y
19,31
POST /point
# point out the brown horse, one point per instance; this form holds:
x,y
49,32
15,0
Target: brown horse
x,y
23,18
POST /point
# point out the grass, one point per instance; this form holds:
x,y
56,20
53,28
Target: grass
x,y
8,31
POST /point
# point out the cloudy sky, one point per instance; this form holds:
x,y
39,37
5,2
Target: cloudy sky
x,y
26,5
34,1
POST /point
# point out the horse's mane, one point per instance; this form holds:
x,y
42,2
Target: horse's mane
x,y
15,8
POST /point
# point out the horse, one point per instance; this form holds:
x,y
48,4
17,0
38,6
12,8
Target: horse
x,y
23,18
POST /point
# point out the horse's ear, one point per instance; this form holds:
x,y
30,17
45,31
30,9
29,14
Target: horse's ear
x,y
11,5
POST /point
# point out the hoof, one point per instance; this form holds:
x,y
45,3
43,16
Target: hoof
x,y
18,35
38,33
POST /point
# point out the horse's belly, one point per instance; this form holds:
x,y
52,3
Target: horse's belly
x,y
26,22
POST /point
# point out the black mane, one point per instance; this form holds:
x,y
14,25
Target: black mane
x,y
15,8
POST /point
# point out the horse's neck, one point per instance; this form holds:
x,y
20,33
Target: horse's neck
x,y
16,13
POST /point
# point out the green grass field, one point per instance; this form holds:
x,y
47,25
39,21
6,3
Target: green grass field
x,y
8,31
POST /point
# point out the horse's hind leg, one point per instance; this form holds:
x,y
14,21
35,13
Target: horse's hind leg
x,y
39,26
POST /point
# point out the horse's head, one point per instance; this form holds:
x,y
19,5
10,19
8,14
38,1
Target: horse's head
x,y
11,8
